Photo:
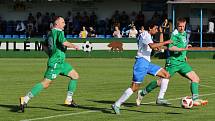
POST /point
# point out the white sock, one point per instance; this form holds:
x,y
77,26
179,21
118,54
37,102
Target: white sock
x,y
26,99
124,97
69,96
163,88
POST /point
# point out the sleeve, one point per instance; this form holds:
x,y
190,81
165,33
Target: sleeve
x,y
143,38
148,40
61,37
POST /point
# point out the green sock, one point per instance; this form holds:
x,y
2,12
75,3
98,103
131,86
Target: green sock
x,y
152,85
195,90
35,90
72,85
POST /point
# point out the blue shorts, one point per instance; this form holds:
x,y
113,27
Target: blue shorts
x,y
142,67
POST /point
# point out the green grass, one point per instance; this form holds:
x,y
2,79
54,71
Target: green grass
x,y
102,81
98,54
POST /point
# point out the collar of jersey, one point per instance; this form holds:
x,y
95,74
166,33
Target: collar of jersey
x,y
58,29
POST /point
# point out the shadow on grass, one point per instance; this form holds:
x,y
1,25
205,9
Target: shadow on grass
x,y
112,102
104,110
15,108
134,105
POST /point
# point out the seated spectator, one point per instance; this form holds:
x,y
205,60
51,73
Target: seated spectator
x,y
83,33
92,32
133,32
117,33
20,28
142,29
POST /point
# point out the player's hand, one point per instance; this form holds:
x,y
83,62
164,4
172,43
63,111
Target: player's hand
x,y
164,48
189,46
167,42
157,49
76,47
160,29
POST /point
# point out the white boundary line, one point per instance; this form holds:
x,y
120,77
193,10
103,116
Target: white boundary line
x,y
206,86
60,115
84,112
180,98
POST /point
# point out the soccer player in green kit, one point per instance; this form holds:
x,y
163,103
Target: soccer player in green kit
x,y
176,62
55,46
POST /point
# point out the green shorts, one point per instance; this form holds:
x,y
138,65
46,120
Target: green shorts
x,y
182,68
55,69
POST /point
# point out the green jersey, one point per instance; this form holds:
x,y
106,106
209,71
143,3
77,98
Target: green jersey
x,y
180,41
56,49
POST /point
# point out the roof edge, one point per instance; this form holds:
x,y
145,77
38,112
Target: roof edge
x,y
190,2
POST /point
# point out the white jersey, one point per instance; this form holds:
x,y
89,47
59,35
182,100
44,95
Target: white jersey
x,y
143,41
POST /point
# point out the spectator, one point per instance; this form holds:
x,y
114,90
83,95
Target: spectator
x,y
141,30
165,26
93,19
165,29
116,17
20,28
69,22
30,29
46,23
77,23
124,19
31,18
83,33
210,26
38,24
85,19
140,19
133,32
69,17
188,30
133,16
92,32
117,33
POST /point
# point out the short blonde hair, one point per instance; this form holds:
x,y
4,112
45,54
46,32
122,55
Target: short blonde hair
x,y
181,20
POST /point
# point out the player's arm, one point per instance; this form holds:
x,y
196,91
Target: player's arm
x,y
65,43
70,45
157,45
175,48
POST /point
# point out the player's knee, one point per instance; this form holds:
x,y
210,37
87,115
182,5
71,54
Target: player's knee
x,y
196,79
74,75
167,75
159,82
46,84
135,87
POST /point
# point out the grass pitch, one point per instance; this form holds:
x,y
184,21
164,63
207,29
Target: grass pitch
x,y
101,83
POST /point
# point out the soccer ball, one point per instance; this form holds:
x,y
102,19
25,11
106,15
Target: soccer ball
x,y
87,46
187,102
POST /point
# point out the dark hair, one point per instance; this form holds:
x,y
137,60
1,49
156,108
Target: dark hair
x,y
180,20
151,26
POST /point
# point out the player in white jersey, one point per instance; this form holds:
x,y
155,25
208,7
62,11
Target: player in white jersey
x,y
143,65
